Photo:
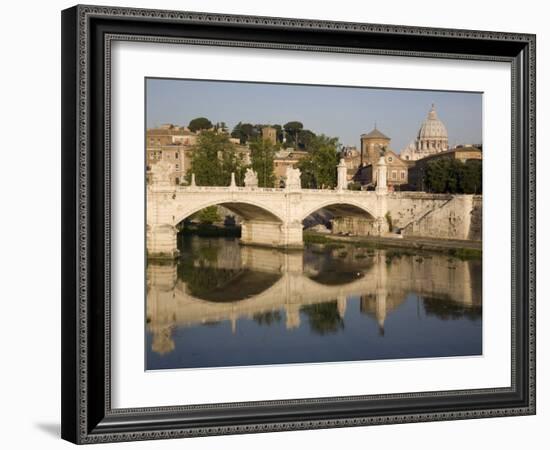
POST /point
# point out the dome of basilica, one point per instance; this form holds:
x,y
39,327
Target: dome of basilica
x,y
432,127
432,138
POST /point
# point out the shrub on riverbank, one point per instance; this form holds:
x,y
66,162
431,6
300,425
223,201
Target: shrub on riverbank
x,y
310,238
396,250
465,253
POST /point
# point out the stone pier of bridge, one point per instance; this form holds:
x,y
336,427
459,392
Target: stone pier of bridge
x,y
272,234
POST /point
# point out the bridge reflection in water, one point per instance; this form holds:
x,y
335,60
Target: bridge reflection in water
x,y
224,304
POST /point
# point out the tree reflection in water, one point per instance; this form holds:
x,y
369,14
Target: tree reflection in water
x,y
223,304
323,318
446,309
209,279
268,318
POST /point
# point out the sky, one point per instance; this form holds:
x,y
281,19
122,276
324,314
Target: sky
x,y
343,112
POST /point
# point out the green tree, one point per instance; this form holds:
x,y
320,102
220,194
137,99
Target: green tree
x,y
319,167
220,126
200,123
233,162
292,129
453,176
214,158
236,132
471,177
305,138
262,153
308,169
208,215
245,132
454,170
435,178
279,129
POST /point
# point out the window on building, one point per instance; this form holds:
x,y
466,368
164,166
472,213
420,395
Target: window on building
x,y
394,174
177,180
402,174
176,155
177,166
390,159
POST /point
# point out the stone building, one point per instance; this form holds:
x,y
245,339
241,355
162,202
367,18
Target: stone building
x,y
418,170
397,172
170,134
373,145
172,144
284,159
269,134
432,138
352,160
243,151
177,155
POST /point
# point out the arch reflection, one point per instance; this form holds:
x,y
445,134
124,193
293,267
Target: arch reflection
x,y
218,281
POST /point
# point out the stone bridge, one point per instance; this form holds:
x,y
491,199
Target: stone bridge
x,y
270,216
274,216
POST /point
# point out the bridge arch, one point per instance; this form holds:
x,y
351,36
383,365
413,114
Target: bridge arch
x,y
341,208
241,287
246,209
270,217
270,293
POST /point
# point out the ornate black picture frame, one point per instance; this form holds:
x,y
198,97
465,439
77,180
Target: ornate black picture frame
x,y
87,34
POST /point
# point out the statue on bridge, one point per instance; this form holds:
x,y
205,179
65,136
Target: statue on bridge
x,y
382,176
250,178
160,173
293,178
342,178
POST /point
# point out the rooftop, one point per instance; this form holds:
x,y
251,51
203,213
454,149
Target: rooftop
x,y
457,149
375,134
169,132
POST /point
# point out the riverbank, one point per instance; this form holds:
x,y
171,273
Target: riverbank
x,y
457,248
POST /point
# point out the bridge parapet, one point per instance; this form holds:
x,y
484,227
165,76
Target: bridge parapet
x,y
304,191
226,189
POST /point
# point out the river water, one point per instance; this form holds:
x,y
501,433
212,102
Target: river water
x,y
222,304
